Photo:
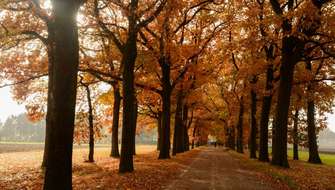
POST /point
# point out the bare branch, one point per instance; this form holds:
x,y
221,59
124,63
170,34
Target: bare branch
x,y
24,81
153,16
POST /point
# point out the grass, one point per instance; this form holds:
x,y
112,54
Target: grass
x,y
328,159
16,142
300,175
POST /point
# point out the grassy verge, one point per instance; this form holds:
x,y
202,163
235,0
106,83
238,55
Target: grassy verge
x,y
300,175
19,143
328,159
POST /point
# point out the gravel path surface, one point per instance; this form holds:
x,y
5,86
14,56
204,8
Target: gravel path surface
x,y
215,169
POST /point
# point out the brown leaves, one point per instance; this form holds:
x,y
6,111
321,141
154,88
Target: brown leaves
x,y
22,170
300,176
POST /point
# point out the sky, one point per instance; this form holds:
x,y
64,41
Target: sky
x,y
9,107
331,121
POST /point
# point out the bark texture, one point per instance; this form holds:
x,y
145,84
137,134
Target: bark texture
x,y
58,173
295,135
291,54
91,124
115,126
253,126
311,128
166,97
239,139
265,115
178,136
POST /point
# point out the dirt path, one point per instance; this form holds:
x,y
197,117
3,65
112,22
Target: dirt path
x,y
213,169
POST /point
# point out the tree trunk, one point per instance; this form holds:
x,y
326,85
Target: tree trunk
x,y
186,139
166,99
128,59
61,115
253,127
291,54
91,125
115,126
266,107
239,139
199,137
231,137
193,135
49,100
129,55
178,127
159,131
295,135
134,130
312,139
311,129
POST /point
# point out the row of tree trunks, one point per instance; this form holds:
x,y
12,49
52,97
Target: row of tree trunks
x,y
292,52
62,96
115,126
63,69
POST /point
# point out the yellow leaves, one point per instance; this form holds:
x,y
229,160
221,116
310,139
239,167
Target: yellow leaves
x,y
106,98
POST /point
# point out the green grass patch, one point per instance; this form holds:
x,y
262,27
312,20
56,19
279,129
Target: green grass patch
x,y
328,159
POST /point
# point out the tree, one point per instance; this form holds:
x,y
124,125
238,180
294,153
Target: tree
x,y
169,37
291,54
295,135
58,173
90,119
312,144
253,123
128,49
28,32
